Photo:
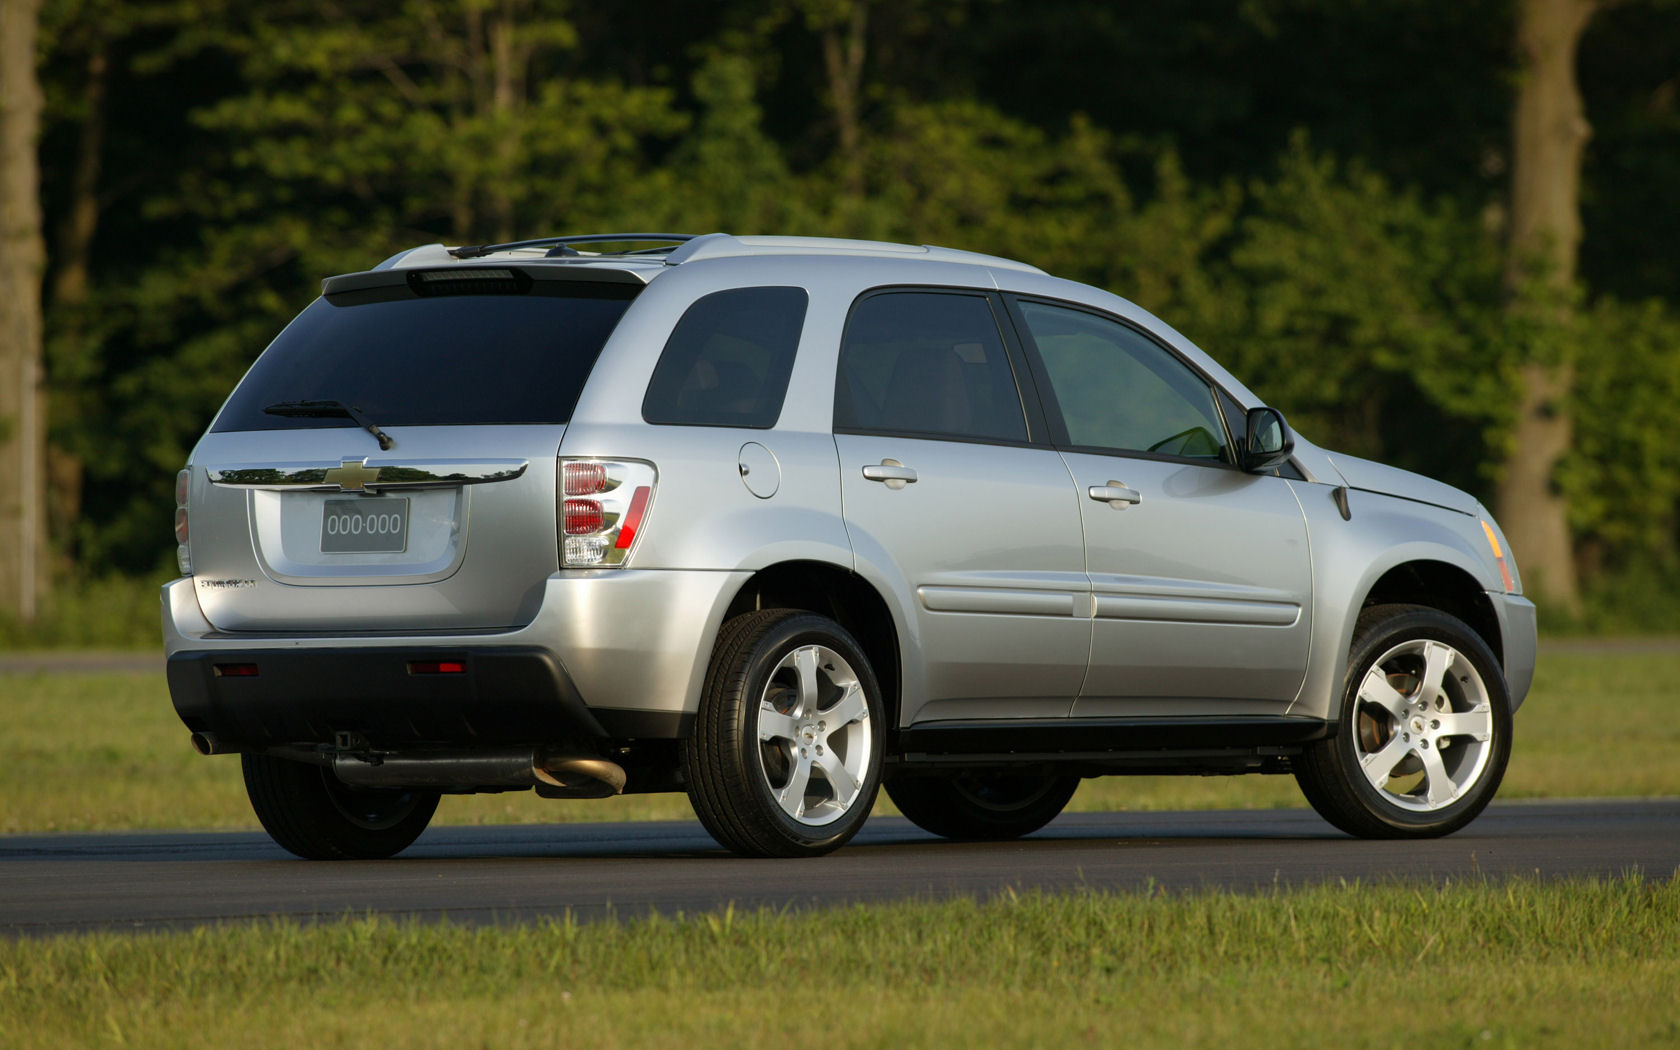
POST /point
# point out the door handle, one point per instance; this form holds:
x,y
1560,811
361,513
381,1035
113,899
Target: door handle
x,y
891,472
1115,495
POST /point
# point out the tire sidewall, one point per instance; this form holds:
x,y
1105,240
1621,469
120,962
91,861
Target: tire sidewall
x,y
945,806
305,815
770,650
1382,635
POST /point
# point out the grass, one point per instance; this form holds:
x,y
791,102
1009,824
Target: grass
x,y
114,612
1591,963
105,752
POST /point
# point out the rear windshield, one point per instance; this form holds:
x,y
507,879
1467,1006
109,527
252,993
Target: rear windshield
x,y
452,359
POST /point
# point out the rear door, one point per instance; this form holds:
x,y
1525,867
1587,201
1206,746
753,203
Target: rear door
x,y
302,520
1200,572
953,503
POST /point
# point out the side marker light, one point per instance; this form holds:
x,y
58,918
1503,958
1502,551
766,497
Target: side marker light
x,y
1499,557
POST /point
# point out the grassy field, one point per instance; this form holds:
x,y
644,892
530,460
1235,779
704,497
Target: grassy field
x,y
105,752
1581,964
1587,963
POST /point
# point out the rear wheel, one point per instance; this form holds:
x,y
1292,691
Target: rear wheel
x,y
309,812
785,759
982,805
1424,731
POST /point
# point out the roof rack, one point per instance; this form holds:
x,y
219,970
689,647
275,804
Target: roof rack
x,y
563,245
723,246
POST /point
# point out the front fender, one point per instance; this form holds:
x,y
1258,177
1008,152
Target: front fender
x,y
1350,556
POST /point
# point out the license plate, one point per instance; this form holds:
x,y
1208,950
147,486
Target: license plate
x,y
364,526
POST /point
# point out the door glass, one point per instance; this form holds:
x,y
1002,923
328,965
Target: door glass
x,y
1121,391
928,363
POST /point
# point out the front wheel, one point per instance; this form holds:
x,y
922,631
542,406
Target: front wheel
x,y
785,758
1424,731
982,806
311,813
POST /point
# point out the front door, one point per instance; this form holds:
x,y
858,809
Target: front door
x,y
1201,573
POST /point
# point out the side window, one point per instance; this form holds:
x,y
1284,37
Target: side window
x,y
728,360
1120,390
927,363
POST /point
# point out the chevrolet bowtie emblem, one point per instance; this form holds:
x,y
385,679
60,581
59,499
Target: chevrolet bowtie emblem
x,y
352,475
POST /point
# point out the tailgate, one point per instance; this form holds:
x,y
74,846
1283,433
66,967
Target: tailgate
x,y
317,529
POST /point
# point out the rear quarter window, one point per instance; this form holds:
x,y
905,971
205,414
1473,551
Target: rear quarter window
x,y
728,360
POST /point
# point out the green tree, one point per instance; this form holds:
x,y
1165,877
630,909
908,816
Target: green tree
x,y
353,129
1370,315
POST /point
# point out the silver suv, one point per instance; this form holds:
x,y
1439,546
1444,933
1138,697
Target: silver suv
x,y
778,520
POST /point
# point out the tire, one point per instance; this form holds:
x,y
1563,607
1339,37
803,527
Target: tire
x,y
785,759
1423,733
982,806
309,812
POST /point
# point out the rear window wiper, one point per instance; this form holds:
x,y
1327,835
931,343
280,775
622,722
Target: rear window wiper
x,y
320,409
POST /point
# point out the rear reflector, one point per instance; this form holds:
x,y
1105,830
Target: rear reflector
x,y
633,517
236,670
437,667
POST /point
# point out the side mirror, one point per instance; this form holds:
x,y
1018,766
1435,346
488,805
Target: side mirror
x,y
1269,441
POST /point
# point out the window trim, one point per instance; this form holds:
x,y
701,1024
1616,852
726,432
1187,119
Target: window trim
x,y
1026,386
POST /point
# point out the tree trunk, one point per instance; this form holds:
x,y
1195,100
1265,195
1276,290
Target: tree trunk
x,y
1549,133
74,247
72,253
22,257
843,62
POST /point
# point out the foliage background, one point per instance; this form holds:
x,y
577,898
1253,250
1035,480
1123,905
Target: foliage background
x,y
1312,190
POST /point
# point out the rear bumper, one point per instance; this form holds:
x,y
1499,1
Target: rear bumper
x,y
388,695
609,655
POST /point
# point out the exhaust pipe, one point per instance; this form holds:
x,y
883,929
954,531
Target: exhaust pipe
x,y
205,744
554,776
579,776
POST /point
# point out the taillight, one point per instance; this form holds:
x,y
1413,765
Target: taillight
x,y
602,506
583,477
183,553
584,517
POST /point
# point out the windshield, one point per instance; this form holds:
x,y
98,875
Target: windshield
x,y
448,360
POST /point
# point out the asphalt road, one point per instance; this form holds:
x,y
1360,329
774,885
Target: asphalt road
x,y
57,883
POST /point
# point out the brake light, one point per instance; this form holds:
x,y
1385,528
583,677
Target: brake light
x,y
602,506
583,517
183,553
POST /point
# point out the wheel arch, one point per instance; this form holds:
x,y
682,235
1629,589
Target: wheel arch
x,y
1442,586
844,597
